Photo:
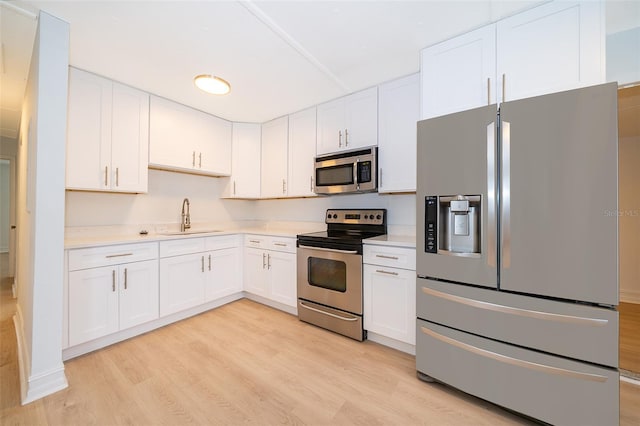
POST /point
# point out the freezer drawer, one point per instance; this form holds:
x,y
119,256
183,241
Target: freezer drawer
x,y
546,387
577,331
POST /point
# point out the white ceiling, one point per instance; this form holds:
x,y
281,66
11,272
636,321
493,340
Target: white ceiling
x,y
279,56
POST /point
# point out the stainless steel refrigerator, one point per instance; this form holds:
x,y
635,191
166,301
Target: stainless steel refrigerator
x,y
517,254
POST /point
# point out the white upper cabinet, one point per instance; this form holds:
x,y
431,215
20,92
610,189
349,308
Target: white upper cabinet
x,y
399,112
302,151
188,140
275,135
245,161
554,47
557,46
460,73
107,135
348,123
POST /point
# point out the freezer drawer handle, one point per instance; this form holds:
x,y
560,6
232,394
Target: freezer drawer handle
x,y
514,361
328,313
596,322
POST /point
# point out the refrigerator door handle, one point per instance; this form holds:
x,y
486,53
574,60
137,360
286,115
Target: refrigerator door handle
x,y
506,195
491,195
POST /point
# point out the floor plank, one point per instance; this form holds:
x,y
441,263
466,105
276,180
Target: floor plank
x,y
630,336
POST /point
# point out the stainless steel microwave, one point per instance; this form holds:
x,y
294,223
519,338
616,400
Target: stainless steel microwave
x,y
347,172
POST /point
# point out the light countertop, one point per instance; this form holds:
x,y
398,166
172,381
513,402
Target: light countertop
x,y
393,240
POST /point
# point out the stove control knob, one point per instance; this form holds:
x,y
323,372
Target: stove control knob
x,y
379,217
335,216
329,216
367,216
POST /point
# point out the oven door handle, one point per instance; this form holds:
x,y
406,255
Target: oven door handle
x,y
327,313
331,250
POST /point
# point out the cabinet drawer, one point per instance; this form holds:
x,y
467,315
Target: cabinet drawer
x,y
222,242
550,388
183,246
568,329
111,255
287,245
257,241
395,257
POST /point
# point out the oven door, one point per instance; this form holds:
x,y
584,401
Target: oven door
x,y
330,277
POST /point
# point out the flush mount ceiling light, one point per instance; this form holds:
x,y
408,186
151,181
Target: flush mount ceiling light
x,y
212,84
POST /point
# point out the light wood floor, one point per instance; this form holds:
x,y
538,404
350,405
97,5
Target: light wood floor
x,y
247,363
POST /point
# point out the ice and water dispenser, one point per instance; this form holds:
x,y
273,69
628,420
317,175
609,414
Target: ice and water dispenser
x,y
453,224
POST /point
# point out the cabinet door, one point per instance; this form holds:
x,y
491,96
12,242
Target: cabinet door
x,y
361,117
460,73
171,137
399,111
88,131
245,168
302,151
331,125
214,146
182,282
390,302
275,136
139,293
282,277
93,304
223,273
255,271
129,139
554,47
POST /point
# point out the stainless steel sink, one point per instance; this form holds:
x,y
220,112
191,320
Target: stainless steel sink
x,y
190,232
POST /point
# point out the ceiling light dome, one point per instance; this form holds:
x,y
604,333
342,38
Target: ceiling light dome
x,y
212,84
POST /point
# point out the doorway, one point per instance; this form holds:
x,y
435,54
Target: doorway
x,y
7,218
629,228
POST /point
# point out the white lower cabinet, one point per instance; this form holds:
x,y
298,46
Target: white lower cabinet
x,y
270,268
223,276
182,282
389,292
107,299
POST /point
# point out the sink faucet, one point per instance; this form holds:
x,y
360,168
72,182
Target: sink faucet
x,y
186,217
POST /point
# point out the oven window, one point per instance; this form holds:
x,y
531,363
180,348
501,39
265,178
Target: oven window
x,y
327,273
335,175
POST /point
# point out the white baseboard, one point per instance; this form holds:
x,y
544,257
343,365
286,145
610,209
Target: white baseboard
x,y
392,343
293,310
629,380
34,387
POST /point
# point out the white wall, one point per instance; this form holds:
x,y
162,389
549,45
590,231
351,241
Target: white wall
x,y
623,56
40,213
5,192
162,204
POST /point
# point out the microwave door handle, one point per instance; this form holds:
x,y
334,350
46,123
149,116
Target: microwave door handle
x,y
355,174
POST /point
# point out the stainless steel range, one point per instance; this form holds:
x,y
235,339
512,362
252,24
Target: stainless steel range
x,y
330,270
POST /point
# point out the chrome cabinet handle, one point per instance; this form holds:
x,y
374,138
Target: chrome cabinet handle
x,y
193,162
117,176
504,85
200,160
113,280
106,174
514,361
264,257
234,187
202,267
310,183
488,90
384,256
339,138
280,244
125,278
209,262
380,177
118,255
268,261
254,241
346,137
284,187
380,271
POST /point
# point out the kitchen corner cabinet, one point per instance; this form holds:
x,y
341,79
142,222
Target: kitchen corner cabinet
x,y
187,140
107,135
275,138
399,112
270,268
348,123
197,270
389,297
302,152
110,289
553,47
245,161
